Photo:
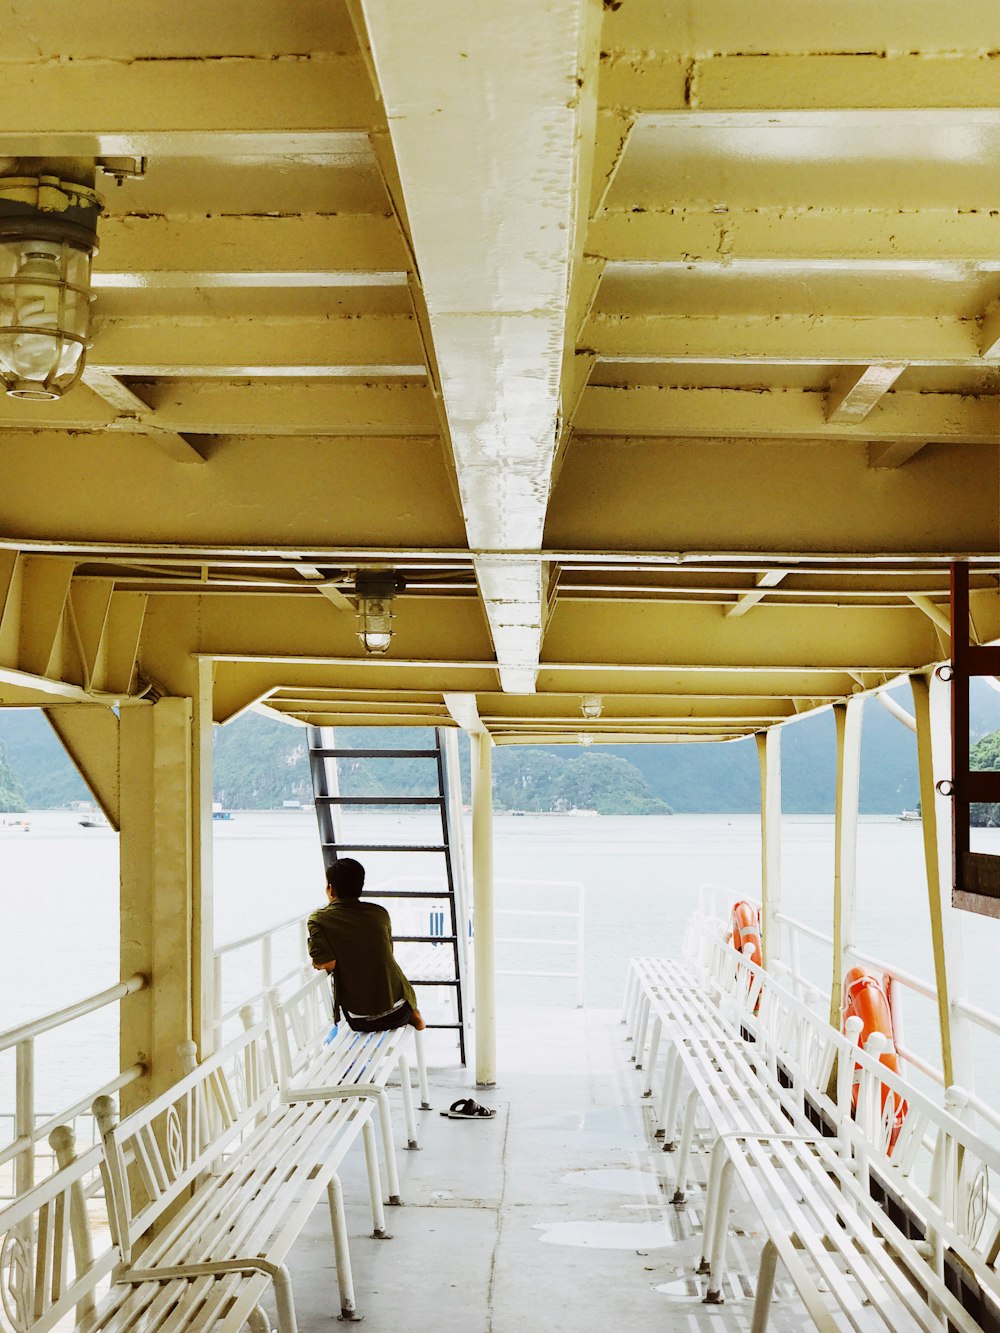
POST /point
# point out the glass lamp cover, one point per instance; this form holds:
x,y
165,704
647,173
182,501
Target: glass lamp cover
x,y
44,315
375,624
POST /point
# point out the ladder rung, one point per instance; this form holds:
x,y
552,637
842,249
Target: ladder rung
x,y
424,939
374,754
408,893
443,1025
434,981
384,847
379,800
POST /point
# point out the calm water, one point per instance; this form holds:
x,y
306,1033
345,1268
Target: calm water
x,y
640,878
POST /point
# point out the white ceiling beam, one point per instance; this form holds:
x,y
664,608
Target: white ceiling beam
x,y
989,331
324,250
818,239
769,579
799,339
778,413
937,614
491,96
185,108
463,708
893,453
856,390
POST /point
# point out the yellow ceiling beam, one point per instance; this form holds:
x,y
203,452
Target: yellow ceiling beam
x,y
184,107
828,85
90,738
854,392
840,238
758,496
169,411
804,339
322,250
775,413
237,347
44,589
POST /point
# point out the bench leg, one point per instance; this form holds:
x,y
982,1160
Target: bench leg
x,y
341,1252
388,1147
720,1220
631,981
640,1036
633,1016
374,1183
258,1321
425,1092
667,1114
407,1087
654,1051
711,1202
765,1287
687,1136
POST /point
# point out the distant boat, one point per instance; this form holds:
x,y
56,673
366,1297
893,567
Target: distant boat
x,y
222,814
909,816
93,821
15,826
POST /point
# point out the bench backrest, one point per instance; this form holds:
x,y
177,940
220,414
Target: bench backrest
x,y
934,1161
301,1024
46,1264
158,1151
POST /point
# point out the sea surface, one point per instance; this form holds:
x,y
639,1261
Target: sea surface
x,y
638,878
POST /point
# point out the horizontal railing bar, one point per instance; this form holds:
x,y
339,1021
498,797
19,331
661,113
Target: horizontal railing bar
x,y
82,1107
517,911
977,1015
409,893
36,1026
803,929
260,935
904,978
259,995
918,1062
424,939
988,1113
524,939
507,972
540,883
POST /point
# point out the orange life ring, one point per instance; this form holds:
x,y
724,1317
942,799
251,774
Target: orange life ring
x,y
865,997
746,930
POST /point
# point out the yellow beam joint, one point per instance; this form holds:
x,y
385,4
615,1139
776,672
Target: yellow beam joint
x,y
44,589
90,738
856,390
770,578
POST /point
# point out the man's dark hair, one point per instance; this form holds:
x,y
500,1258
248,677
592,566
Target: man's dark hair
x,y
346,877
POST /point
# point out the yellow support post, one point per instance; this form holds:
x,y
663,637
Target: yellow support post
x,y
848,722
769,757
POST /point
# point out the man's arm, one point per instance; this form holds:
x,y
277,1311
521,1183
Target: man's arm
x,y
319,948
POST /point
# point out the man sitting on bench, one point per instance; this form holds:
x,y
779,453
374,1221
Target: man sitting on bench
x,y
352,940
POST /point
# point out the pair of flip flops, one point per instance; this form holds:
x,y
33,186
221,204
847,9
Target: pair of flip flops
x,y
466,1109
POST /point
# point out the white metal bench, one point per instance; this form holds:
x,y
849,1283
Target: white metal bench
x,y
814,1193
257,1168
312,1067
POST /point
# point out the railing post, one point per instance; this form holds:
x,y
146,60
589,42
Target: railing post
x,y
483,915
266,962
847,717
217,988
580,919
769,758
24,1115
63,1143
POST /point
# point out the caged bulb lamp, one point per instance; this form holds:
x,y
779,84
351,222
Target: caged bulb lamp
x,y
375,591
48,237
591,705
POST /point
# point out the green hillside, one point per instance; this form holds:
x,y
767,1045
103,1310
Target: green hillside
x,y
259,763
11,792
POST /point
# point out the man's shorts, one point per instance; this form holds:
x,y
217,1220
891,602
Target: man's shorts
x,y
396,1018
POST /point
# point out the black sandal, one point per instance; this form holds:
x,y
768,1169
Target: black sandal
x,y
466,1109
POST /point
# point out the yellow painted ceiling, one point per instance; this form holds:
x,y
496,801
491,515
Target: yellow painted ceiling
x,y
656,344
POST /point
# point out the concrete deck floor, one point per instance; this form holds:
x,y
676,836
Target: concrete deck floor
x,y
554,1215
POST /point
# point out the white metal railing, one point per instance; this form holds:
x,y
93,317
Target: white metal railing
x,y
264,940
29,1126
576,941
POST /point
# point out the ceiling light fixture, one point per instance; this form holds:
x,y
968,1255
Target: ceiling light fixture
x,y
376,589
591,705
48,237
585,738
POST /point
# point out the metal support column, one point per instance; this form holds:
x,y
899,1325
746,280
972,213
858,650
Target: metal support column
x,y
483,917
202,900
769,758
930,705
847,717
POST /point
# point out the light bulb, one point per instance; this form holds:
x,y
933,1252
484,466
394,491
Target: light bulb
x,y
591,705
585,738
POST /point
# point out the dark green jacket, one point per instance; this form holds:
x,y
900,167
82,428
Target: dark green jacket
x,y
358,935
